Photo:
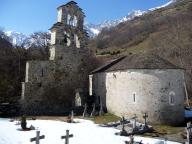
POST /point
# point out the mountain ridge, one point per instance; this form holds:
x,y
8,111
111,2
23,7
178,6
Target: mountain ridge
x,y
17,38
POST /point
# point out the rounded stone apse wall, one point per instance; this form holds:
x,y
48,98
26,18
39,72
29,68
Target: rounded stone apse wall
x,y
160,93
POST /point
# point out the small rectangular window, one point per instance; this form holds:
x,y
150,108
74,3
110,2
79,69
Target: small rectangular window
x,y
134,97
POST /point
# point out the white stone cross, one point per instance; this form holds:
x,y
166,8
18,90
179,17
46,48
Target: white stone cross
x,y
67,137
37,138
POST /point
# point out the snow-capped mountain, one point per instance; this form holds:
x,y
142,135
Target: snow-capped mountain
x,y
36,39
16,38
94,29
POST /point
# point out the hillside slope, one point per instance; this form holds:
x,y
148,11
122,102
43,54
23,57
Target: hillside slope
x,y
166,32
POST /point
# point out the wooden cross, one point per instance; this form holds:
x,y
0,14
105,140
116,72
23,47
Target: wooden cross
x,y
67,137
145,116
37,138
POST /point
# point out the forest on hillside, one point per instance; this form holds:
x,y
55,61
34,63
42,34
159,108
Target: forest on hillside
x,y
12,64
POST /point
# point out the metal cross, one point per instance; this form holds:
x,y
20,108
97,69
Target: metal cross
x,y
67,137
37,138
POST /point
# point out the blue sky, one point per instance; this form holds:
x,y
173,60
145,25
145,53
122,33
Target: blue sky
x,y
28,16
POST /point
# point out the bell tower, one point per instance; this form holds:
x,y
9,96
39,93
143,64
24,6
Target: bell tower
x,y
68,32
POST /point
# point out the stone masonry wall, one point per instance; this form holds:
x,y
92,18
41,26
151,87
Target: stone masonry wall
x,y
52,85
151,89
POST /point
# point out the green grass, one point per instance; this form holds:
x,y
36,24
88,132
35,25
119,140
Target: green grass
x,y
104,119
164,129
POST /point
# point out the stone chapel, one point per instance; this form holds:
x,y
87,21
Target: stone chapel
x,y
61,83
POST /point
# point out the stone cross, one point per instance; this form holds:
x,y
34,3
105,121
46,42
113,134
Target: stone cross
x,y
37,138
189,133
93,111
67,136
85,110
145,116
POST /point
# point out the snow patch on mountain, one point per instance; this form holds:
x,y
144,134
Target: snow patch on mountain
x,y
94,30
16,38
164,5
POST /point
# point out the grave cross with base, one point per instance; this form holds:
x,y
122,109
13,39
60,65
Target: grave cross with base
x,y
123,131
145,116
37,138
67,137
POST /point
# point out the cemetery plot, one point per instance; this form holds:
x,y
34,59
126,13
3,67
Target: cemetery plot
x,y
84,132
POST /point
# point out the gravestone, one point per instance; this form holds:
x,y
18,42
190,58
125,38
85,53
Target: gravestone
x,y
189,133
67,136
70,118
23,122
37,138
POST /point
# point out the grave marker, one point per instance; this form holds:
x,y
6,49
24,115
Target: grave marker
x,y
37,138
145,116
67,136
123,131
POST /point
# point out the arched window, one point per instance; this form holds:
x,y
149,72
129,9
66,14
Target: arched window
x,y
75,21
172,98
67,38
68,19
77,41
